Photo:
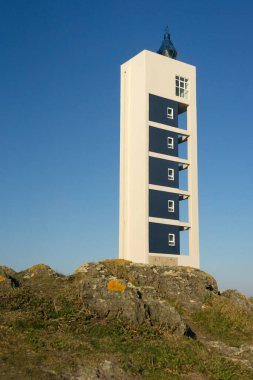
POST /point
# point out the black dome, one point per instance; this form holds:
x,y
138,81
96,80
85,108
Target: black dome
x,y
167,48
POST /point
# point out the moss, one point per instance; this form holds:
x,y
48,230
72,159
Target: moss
x,y
116,286
186,269
37,267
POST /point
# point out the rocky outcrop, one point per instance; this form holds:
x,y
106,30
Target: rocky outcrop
x,y
243,353
8,277
187,285
105,371
38,270
143,293
119,320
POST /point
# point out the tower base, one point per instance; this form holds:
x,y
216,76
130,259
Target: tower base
x,y
159,260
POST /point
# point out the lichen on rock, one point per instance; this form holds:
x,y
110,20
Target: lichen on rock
x,y
2,278
115,285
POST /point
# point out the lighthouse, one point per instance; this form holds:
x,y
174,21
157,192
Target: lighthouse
x,y
158,159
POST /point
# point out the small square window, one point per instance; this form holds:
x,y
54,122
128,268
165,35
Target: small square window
x,y
170,174
171,206
171,240
170,142
170,113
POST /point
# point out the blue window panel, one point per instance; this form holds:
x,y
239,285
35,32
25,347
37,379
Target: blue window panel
x,y
160,141
158,172
158,204
160,110
159,238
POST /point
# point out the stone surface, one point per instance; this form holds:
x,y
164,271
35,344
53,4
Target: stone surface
x,y
145,293
105,371
243,354
154,260
187,285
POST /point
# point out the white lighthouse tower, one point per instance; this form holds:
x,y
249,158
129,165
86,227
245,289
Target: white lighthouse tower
x,y
158,117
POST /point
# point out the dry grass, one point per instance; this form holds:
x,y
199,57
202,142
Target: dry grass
x,y
115,261
117,267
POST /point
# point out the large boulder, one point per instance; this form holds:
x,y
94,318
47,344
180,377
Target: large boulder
x,y
8,278
38,270
142,293
186,285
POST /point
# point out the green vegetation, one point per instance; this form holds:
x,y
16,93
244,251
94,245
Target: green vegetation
x,y
46,333
58,336
221,319
155,355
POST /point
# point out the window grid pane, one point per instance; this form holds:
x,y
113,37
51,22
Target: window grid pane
x,y
182,87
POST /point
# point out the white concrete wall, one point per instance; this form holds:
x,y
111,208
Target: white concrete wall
x,y
133,161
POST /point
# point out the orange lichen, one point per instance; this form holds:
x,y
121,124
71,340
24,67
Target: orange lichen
x,y
116,286
2,278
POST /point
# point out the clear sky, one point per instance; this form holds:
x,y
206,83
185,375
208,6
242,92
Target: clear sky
x,y
59,143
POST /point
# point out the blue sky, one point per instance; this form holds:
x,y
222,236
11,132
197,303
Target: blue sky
x,y
59,143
